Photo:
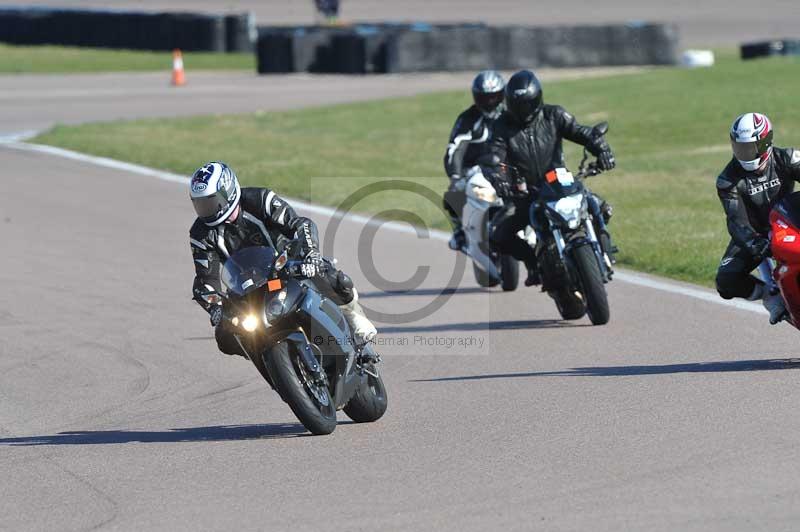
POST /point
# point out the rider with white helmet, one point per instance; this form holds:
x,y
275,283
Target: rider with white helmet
x,y
229,218
757,176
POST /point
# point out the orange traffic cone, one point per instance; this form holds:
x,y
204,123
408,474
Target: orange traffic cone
x,y
178,76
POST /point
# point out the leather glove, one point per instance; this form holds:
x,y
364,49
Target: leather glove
x,y
215,315
312,264
606,160
761,249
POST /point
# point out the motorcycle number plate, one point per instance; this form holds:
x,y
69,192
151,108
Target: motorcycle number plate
x,y
273,285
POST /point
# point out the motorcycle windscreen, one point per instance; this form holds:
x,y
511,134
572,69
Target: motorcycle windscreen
x,y
789,207
247,269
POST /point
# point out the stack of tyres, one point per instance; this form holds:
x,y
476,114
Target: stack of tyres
x,y
412,51
240,32
274,52
113,29
465,47
282,50
195,32
313,50
770,48
364,49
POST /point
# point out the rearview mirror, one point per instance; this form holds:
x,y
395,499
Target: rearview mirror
x,y
600,129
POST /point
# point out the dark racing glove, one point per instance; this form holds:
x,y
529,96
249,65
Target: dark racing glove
x,y
760,249
215,315
606,161
312,264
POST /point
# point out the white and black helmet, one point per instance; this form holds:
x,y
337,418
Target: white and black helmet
x,y
487,92
751,140
215,192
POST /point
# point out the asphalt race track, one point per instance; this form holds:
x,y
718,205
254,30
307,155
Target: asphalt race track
x,y
118,413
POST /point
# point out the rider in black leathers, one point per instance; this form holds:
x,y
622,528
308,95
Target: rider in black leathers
x,y
747,196
231,218
467,142
527,142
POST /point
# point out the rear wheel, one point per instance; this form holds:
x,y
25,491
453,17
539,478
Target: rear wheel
x,y
309,399
509,271
482,278
369,402
594,289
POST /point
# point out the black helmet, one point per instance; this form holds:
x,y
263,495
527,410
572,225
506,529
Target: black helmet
x,y
487,92
523,96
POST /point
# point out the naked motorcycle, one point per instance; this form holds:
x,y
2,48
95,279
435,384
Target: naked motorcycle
x,y
574,251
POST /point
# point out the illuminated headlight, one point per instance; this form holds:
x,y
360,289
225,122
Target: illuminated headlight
x,y
250,323
569,208
485,194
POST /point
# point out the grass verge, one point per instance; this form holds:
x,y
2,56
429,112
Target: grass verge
x,y
65,59
668,128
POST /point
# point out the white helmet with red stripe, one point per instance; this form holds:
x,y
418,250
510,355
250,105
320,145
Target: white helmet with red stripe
x,y
751,140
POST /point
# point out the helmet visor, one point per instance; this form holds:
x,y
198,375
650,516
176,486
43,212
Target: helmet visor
x,y
488,101
524,108
209,208
750,151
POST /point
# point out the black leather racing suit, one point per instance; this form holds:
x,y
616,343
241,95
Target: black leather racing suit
x,y
265,219
533,150
467,142
747,199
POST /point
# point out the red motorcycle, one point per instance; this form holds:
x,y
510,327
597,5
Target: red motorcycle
x,y
785,244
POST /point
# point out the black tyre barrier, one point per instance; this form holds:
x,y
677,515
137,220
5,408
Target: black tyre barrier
x,y
274,52
770,48
114,29
423,48
240,32
517,47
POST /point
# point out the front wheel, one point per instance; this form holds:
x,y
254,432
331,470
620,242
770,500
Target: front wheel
x,y
310,400
592,284
509,272
369,402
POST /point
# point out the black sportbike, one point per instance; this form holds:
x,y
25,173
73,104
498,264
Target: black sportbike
x,y
573,248
299,340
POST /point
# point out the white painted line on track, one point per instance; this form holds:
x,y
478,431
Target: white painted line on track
x,y
14,141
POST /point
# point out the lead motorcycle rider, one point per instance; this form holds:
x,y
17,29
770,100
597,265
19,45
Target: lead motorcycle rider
x,y
230,218
528,137
755,179
467,139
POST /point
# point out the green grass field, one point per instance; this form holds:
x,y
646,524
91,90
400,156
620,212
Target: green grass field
x,y
64,59
668,128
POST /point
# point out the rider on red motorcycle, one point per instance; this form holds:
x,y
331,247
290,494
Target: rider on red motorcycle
x,y
755,179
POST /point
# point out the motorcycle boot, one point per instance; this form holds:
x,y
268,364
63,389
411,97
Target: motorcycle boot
x,y
775,306
362,328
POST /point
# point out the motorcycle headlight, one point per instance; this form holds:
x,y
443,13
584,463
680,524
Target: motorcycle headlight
x,y
250,323
276,307
569,208
485,194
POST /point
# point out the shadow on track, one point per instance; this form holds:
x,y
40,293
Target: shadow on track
x,y
626,371
485,326
193,434
427,292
